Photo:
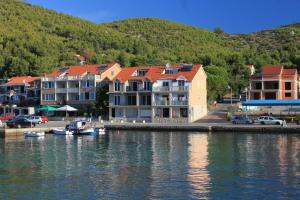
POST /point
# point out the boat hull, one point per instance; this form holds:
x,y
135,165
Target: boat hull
x,y
62,132
34,134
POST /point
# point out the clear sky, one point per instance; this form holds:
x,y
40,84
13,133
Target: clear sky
x,y
234,16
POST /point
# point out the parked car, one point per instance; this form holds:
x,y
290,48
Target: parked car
x,y
44,119
19,123
269,120
7,116
23,116
35,119
241,120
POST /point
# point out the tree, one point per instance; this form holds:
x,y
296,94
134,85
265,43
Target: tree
x,y
217,82
218,31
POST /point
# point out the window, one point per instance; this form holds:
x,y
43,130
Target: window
x,y
147,85
131,100
258,86
183,112
48,85
146,100
83,83
288,94
117,100
165,84
113,112
87,96
117,86
171,71
288,85
141,72
48,97
181,83
92,96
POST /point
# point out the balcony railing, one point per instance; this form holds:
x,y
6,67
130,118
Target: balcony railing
x,y
61,90
73,90
179,103
171,89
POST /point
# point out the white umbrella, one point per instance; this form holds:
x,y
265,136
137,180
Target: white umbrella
x,y
66,109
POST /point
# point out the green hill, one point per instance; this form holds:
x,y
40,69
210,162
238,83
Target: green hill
x,y
35,40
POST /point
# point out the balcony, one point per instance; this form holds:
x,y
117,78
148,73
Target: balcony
x,y
170,103
73,90
179,103
61,90
171,89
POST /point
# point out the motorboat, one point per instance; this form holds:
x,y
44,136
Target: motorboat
x,y
100,131
34,134
80,127
58,131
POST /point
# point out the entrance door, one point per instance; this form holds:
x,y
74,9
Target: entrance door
x,y
166,113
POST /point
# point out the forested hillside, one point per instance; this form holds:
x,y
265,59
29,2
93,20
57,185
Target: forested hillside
x,y
34,40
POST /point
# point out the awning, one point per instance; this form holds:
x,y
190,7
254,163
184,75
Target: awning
x,y
271,103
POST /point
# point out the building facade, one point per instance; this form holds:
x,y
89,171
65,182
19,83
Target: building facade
x,y
274,82
21,90
159,94
76,85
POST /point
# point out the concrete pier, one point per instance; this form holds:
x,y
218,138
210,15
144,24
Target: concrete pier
x,y
16,132
214,128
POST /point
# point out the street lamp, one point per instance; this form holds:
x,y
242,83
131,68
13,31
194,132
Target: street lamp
x,y
230,94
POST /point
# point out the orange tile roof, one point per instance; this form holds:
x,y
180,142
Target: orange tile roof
x,y
80,70
156,72
289,71
21,80
271,70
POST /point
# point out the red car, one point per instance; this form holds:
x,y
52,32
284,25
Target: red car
x,y
7,117
44,119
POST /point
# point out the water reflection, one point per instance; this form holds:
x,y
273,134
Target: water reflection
x,y
198,176
144,165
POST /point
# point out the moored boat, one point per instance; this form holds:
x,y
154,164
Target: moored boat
x,y
100,131
34,134
80,127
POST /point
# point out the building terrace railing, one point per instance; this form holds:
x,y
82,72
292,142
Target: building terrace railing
x,y
171,89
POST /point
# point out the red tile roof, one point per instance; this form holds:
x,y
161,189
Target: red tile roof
x,y
289,71
271,70
156,72
21,80
80,70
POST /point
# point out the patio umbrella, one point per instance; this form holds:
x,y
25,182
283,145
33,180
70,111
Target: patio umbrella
x,y
66,109
47,108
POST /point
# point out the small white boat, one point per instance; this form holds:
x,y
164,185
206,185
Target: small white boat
x,y
58,131
100,131
34,134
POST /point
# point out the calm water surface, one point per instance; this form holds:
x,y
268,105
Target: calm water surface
x,y
144,165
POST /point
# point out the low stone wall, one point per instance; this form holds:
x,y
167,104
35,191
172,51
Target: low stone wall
x,y
17,132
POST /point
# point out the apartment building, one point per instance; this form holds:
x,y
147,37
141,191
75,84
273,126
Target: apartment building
x,y
76,85
23,90
159,94
274,82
